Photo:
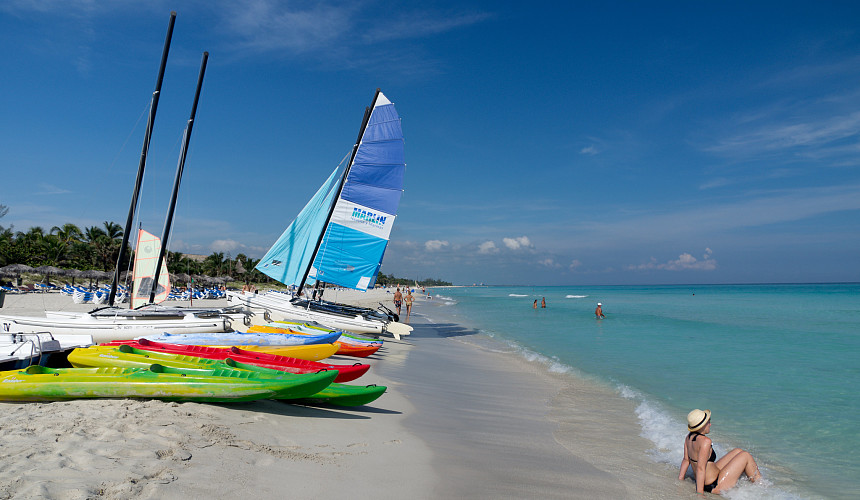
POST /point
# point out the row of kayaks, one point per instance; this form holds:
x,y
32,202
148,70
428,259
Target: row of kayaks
x,y
205,369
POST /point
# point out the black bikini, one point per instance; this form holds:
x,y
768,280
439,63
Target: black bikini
x,y
713,458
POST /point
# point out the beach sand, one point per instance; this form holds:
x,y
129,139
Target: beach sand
x,y
462,418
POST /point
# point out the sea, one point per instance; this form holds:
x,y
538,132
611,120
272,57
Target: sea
x,y
777,364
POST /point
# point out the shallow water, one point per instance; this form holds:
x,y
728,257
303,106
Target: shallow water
x,y
776,364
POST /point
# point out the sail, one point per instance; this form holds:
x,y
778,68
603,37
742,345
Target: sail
x,y
290,256
145,257
356,237
358,230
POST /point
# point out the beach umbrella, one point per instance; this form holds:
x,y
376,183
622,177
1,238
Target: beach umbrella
x,y
49,270
16,270
73,273
181,277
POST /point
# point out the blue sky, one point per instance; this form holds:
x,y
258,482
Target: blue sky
x,y
557,143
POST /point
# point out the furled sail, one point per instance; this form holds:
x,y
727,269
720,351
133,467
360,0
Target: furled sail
x,y
145,257
360,221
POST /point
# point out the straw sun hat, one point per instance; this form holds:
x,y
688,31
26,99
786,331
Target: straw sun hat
x,y
697,419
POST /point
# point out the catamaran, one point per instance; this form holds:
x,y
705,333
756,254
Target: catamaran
x,y
341,235
116,323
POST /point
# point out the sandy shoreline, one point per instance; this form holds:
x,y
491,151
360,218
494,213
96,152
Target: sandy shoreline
x,y
461,419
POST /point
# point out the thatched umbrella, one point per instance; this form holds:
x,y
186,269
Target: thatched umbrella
x,y
93,274
16,270
180,277
49,270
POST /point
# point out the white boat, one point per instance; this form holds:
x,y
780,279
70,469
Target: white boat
x,y
340,236
277,306
20,350
105,328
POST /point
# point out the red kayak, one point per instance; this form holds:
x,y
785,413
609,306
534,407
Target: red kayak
x,y
283,363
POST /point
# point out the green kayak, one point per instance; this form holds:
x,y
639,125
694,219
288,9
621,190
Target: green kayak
x,y
130,357
38,383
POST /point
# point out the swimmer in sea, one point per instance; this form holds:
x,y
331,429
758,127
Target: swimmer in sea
x,y
712,475
599,311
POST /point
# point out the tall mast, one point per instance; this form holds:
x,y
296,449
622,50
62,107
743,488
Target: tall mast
x,y
168,222
142,165
367,113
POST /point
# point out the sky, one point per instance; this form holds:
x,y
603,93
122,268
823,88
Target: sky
x,y
547,143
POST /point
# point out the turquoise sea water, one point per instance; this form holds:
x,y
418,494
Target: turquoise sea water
x,y
776,364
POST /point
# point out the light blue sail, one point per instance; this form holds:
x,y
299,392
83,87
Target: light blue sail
x,y
290,256
362,217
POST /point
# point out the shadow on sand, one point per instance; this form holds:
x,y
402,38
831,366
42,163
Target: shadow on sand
x,y
453,330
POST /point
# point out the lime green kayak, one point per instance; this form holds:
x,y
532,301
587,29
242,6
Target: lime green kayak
x,y
38,383
335,394
130,357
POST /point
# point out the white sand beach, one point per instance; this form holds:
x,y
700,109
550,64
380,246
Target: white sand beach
x,y
460,419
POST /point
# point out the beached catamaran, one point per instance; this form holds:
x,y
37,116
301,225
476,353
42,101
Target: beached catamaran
x,y
114,323
341,235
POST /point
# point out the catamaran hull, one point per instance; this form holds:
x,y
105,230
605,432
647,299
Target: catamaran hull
x,y
280,310
106,329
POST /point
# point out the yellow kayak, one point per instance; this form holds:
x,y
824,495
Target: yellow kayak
x,y
312,352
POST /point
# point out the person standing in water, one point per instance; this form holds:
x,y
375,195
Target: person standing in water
x,y
535,304
599,311
543,302
712,475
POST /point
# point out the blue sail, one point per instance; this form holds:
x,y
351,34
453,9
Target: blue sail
x,y
354,242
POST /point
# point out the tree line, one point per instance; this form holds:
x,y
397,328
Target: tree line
x,y
390,280
97,247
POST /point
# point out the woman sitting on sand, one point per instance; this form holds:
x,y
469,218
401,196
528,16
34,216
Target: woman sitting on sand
x,y
712,475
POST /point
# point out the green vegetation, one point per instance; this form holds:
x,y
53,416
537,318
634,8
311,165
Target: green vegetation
x,y
391,280
69,247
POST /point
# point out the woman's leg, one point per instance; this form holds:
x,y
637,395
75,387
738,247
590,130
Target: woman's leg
x,y
724,461
741,463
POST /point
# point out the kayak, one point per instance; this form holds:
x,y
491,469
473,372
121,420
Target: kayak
x,y
316,328
335,394
344,347
314,352
38,383
239,338
126,356
288,364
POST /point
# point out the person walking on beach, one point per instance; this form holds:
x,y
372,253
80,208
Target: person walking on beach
x,y
408,299
398,299
543,302
712,475
599,311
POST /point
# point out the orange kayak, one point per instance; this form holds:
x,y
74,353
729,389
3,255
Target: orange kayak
x,y
344,348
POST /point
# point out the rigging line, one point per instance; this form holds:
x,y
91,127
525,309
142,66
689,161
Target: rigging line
x,y
133,129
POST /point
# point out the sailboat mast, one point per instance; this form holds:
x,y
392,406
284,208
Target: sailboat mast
x,y
367,113
142,165
168,222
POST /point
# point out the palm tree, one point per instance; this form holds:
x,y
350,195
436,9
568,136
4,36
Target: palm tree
x,y
66,236
213,264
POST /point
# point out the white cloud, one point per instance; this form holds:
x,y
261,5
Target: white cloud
x,y
548,262
488,247
684,262
435,245
589,150
517,243
225,245
574,264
